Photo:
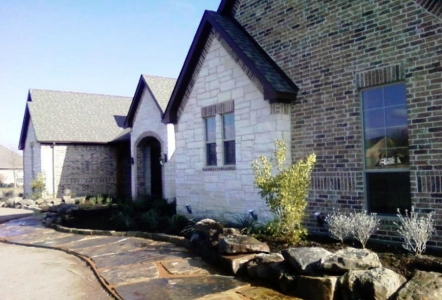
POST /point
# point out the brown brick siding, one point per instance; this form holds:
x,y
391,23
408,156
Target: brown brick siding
x,y
327,48
89,170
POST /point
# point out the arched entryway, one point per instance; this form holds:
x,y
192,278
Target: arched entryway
x,y
149,168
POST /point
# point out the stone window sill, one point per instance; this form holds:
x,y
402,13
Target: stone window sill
x,y
223,168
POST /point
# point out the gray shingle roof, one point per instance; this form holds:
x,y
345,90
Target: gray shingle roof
x,y
77,117
161,88
10,159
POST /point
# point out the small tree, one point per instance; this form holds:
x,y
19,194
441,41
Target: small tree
x,y
415,230
340,226
38,185
284,192
364,225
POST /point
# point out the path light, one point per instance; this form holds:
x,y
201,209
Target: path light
x,y
321,219
253,214
163,158
189,208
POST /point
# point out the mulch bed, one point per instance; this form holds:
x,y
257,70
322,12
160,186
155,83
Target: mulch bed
x,y
392,257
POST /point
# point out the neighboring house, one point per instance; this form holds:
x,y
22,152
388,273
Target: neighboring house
x,y
367,71
78,142
152,142
11,167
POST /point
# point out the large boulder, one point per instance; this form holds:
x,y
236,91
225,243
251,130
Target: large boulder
x,y
263,265
423,285
207,232
310,287
379,283
305,259
235,244
350,259
28,202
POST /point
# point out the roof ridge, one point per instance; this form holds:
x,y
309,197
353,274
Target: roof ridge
x,y
80,93
156,76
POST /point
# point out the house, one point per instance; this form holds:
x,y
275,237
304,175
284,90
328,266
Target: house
x,y
329,77
230,103
11,168
78,142
152,142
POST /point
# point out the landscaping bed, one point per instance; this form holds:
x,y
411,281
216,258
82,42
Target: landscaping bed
x,y
393,257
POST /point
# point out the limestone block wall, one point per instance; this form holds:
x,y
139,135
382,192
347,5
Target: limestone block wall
x,y
31,159
225,191
147,123
332,49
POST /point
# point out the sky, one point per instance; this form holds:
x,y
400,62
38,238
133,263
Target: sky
x,y
91,46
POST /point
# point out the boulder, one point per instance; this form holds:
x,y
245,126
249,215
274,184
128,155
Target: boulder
x,y
28,202
2,195
68,200
10,202
423,285
309,287
262,266
379,283
207,233
241,244
305,259
350,259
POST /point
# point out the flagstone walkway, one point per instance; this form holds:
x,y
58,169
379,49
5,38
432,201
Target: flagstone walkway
x,y
136,268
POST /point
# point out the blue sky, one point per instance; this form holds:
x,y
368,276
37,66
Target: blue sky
x,y
98,46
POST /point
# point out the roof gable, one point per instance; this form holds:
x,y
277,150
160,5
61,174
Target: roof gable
x,y
159,87
69,117
10,159
276,85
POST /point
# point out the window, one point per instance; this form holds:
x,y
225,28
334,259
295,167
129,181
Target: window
x,y
210,141
229,138
387,174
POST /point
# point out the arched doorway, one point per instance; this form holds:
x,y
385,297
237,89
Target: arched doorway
x,y
149,169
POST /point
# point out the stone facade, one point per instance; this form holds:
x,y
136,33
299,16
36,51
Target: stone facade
x,y
332,50
31,159
222,84
147,125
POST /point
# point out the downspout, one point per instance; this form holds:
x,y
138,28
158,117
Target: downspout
x,y
53,170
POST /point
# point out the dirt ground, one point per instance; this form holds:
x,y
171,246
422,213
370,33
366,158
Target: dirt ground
x,y
28,273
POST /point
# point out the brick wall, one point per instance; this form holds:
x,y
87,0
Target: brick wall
x,y
222,84
326,47
86,170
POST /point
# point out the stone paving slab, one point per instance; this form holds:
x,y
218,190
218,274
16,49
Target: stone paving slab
x,y
63,239
178,288
130,273
191,266
110,249
91,241
138,256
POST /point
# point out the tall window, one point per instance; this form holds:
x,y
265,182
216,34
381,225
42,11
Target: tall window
x,y
229,138
210,141
387,174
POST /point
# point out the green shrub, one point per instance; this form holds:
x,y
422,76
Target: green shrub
x,y
245,223
284,192
122,221
38,185
151,219
176,223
